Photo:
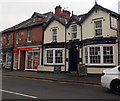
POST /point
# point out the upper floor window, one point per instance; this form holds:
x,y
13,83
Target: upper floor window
x,y
74,31
98,28
17,38
8,39
54,35
29,36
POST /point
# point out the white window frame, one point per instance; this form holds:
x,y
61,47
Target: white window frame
x,y
54,49
73,33
54,34
101,54
98,28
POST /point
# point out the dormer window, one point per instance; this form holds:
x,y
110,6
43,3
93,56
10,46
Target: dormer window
x,y
74,31
98,28
54,35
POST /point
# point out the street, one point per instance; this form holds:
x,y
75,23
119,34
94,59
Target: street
x,y
22,88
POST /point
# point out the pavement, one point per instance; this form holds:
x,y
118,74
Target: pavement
x,y
64,77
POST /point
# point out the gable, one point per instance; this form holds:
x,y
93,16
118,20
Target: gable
x,y
95,9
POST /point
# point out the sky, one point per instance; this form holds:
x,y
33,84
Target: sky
x,y
13,12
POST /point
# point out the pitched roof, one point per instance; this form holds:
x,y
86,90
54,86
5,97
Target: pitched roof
x,y
31,22
8,30
76,18
61,20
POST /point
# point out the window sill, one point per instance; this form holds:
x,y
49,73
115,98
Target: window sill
x,y
100,64
53,64
29,41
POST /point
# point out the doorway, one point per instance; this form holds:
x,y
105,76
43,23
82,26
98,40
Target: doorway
x,y
73,59
22,60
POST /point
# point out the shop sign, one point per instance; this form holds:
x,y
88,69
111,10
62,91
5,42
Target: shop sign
x,y
30,48
15,51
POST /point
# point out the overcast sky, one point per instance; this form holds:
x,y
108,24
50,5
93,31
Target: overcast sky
x,y
13,12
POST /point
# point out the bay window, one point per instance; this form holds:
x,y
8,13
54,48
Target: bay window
x,y
99,55
54,56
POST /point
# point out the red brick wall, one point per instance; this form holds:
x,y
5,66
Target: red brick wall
x,y
4,40
36,36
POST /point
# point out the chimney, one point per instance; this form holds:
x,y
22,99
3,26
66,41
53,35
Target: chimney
x,y
58,10
66,14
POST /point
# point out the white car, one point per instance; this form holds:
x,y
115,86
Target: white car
x,y
111,79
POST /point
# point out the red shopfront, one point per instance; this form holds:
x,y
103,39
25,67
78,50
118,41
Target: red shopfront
x,y
27,58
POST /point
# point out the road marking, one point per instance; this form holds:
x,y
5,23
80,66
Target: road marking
x,y
18,94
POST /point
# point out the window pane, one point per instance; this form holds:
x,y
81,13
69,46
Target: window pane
x,y
58,56
108,54
86,55
98,28
54,35
74,31
49,56
29,35
95,55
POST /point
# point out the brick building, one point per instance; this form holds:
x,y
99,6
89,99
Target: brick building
x,y
21,44
7,47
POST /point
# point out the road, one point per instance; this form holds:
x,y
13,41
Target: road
x,y
22,88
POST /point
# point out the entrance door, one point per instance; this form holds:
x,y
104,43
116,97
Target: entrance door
x,y
22,60
73,59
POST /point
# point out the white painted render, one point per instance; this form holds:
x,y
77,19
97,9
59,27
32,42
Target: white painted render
x,y
60,32
88,25
68,32
87,32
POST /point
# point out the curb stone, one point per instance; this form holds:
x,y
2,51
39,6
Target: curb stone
x,y
53,79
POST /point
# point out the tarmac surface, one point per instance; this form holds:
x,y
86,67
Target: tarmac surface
x,y
66,77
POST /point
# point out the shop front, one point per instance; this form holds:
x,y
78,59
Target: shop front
x,y
7,58
27,58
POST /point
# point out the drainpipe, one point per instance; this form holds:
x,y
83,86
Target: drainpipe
x,y
65,47
11,69
82,45
118,35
